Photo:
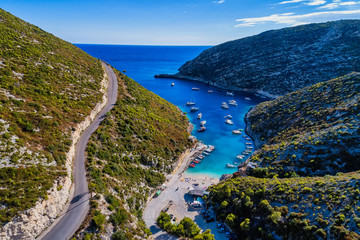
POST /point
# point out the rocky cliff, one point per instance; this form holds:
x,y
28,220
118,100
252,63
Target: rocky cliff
x,y
312,131
279,61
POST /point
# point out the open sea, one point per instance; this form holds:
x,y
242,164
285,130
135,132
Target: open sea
x,y
143,62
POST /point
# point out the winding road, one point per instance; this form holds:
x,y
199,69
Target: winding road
x,y
71,220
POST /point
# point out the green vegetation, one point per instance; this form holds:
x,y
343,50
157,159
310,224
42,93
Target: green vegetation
x,y
292,208
139,140
185,229
47,86
313,131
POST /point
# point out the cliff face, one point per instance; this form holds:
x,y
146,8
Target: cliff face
x,y
280,61
313,131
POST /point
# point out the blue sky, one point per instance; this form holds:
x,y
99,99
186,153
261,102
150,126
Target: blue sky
x,y
173,22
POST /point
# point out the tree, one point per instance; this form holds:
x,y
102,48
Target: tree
x,y
205,236
245,225
190,228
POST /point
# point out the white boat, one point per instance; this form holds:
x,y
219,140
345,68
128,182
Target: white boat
x,y
224,106
248,143
247,138
248,147
241,157
210,91
172,84
211,147
247,98
195,89
194,109
228,121
228,165
199,116
202,123
201,157
236,131
190,103
232,102
228,116
206,153
229,94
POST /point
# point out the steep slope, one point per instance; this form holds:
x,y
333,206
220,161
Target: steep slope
x,y
313,131
279,61
47,87
138,142
291,208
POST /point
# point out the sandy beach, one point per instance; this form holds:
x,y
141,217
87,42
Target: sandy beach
x,y
175,198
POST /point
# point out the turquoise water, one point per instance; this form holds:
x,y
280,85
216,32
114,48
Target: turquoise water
x,y
143,62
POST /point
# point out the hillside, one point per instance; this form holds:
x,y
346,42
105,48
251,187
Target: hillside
x,y
279,61
291,208
47,87
313,131
138,142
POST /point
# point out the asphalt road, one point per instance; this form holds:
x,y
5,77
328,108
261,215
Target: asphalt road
x,y
79,205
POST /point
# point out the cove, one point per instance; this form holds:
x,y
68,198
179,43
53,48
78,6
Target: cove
x,y
143,62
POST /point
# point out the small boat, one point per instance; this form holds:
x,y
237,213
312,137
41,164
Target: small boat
x,y
228,165
172,84
192,165
224,105
210,91
195,89
194,109
236,131
248,143
199,116
247,138
240,157
190,103
211,147
228,121
196,161
206,153
228,116
202,123
232,102
247,98
229,94
202,129
201,157
209,150
248,147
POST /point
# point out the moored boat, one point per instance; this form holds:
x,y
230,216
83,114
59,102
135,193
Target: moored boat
x,y
224,105
247,98
228,165
199,116
240,157
172,84
236,131
228,116
202,129
229,93
210,91
248,147
202,123
228,121
190,103
194,109
192,165
206,153
195,89
201,157
232,102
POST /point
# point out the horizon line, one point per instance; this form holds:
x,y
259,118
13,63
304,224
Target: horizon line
x,y
149,45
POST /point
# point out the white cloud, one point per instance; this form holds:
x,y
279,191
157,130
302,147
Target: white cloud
x,y
219,2
306,2
292,19
337,4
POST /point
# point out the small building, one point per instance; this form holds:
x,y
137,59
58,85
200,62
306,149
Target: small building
x,y
198,191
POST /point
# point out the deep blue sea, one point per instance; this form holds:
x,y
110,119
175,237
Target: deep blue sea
x,y
143,62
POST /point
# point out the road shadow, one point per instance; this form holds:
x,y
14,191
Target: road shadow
x,y
78,197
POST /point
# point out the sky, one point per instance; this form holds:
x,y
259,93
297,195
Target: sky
x,y
173,22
